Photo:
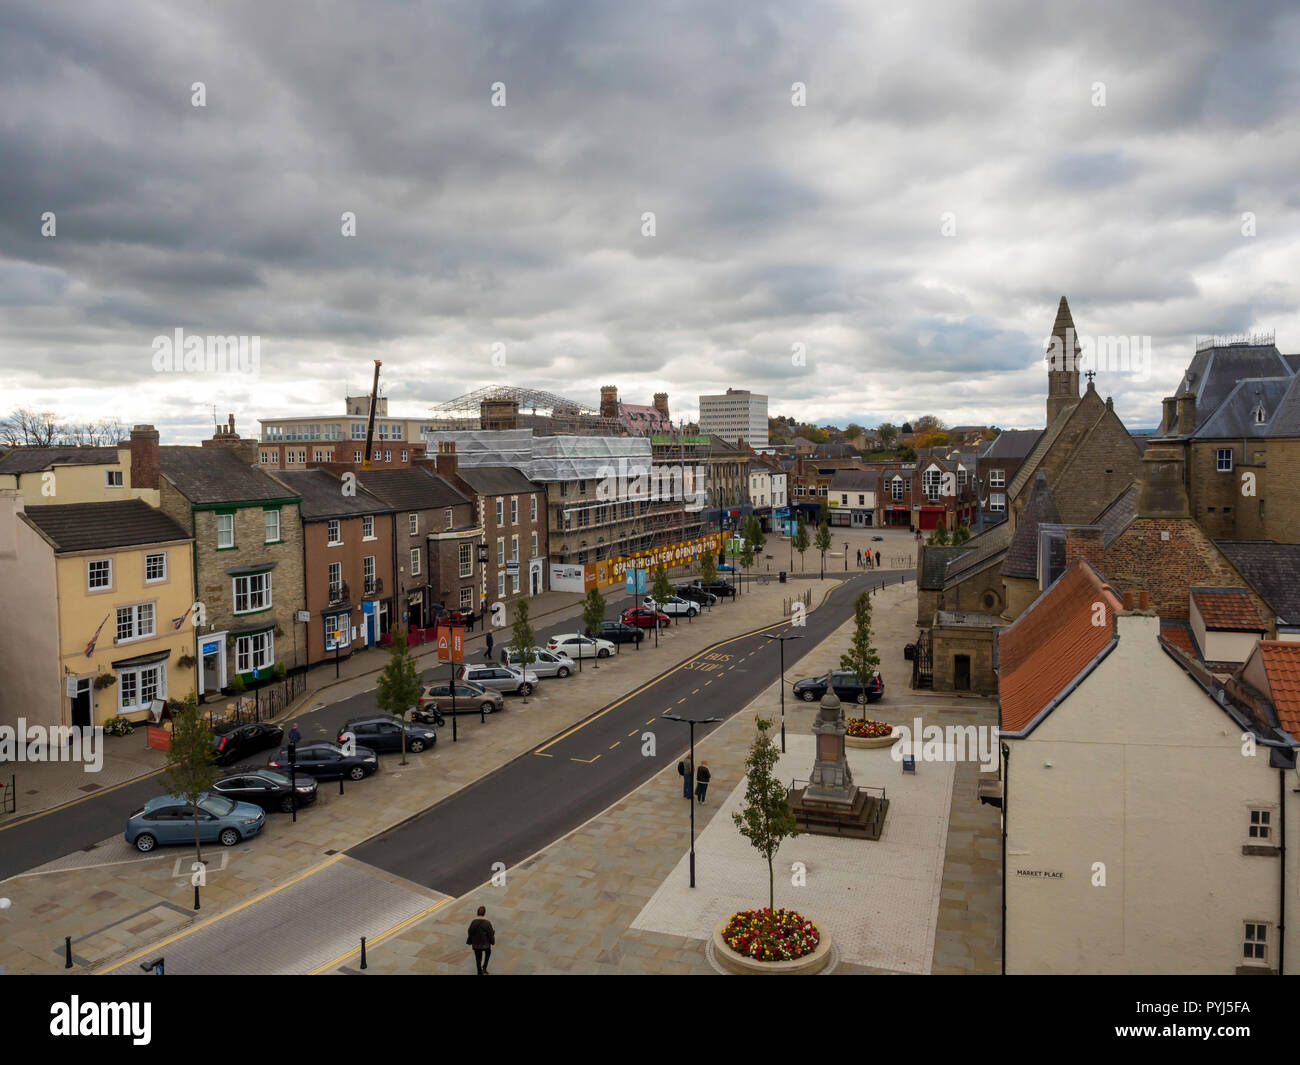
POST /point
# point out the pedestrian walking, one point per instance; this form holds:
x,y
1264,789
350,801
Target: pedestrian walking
x,y
877,559
687,772
859,558
702,778
489,645
294,735
482,938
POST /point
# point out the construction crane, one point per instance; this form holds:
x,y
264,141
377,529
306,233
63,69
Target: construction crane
x,y
370,425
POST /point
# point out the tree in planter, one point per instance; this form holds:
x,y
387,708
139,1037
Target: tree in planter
x,y
708,569
593,614
801,542
191,765
861,658
754,534
765,819
399,684
523,640
824,543
746,559
960,535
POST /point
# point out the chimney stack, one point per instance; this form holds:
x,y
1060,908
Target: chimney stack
x,y
445,463
144,457
661,404
1162,493
609,401
1186,414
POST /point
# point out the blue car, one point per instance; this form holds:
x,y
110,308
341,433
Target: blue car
x,y
169,819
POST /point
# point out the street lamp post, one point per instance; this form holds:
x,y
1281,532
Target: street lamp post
x,y
781,639
692,722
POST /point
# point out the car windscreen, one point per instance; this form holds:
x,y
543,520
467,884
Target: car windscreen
x,y
217,805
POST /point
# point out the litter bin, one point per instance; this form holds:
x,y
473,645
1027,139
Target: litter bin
x,y
782,576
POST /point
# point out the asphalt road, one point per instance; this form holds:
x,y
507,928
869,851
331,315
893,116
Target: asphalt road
x,y
31,843
510,814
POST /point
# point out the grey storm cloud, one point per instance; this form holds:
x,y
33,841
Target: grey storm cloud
x,y
775,226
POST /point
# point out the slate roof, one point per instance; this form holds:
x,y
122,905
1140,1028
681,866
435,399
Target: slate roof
x,y
90,526
412,489
1022,555
1272,569
1117,514
1012,444
934,566
643,418
1235,416
1212,374
1228,610
33,459
496,480
216,475
979,551
1036,454
1052,645
1281,662
322,496
854,481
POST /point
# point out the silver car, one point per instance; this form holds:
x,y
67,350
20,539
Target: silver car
x,y
545,663
499,678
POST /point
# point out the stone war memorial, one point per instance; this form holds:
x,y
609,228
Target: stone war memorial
x,y
831,804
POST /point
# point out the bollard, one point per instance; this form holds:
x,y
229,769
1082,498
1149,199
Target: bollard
x,y
363,952
340,785
196,896
67,952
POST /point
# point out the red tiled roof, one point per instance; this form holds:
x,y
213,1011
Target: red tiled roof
x,y
1051,644
1281,661
1181,638
1228,609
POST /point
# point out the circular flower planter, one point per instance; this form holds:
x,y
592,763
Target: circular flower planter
x,y
745,966
884,734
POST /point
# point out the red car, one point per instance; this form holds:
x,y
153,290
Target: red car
x,y
645,618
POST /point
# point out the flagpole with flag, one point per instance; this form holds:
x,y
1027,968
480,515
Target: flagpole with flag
x,y
90,647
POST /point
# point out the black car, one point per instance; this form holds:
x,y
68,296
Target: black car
x,y
328,761
270,789
238,743
696,594
617,632
847,688
717,588
382,734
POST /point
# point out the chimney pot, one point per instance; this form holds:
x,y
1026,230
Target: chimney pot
x,y
1144,600
1128,599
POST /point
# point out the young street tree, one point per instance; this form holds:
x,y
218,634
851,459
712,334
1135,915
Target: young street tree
x,y
399,684
824,543
765,819
861,659
523,639
801,542
746,559
661,589
191,762
593,614
708,569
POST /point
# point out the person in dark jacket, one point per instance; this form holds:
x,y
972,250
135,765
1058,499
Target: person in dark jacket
x,y
482,938
877,560
489,645
294,735
687,772
702,778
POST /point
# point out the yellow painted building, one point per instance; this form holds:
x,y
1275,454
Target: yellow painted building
x,y
52,476
90,591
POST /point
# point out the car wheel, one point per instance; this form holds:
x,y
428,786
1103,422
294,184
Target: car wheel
x,y
415,746
807,696
286,805
487,708
603,653
357,772
525,690
563,671
144,843
229,837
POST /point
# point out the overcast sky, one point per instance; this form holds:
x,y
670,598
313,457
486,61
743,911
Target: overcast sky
x,y
775,225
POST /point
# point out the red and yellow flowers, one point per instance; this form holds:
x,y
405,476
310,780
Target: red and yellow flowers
x,y
868,729
767,936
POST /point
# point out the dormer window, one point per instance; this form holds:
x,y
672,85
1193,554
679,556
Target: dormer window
x,y
1259,415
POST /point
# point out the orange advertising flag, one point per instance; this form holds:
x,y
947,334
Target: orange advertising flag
x,y
457,644
444,644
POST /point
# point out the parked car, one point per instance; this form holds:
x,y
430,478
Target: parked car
x,y
499,678
382,733
645,618
236,744
696,594
674,606
545,663
845,685
721,589
268,788
470,699
576,645
328,761
170,819
617,632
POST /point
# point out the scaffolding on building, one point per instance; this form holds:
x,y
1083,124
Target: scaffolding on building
x,y
505,406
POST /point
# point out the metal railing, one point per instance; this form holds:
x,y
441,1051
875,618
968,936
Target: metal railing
x,y
261,704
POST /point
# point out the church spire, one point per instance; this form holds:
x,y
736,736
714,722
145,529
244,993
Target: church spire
x,y
1063,352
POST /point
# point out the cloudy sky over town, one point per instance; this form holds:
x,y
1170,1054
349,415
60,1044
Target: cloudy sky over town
x,y
910,228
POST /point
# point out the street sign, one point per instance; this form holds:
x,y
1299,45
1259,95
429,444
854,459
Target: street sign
x,y
304,615
512,568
